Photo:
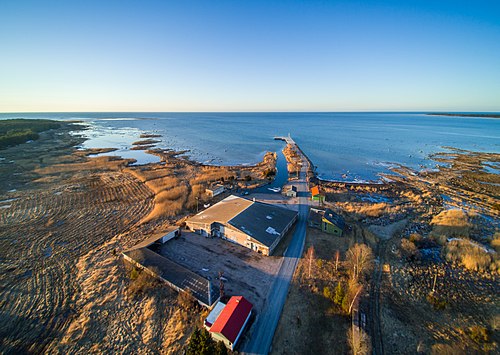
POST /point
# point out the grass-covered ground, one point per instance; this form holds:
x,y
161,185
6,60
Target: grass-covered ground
x,y
17,131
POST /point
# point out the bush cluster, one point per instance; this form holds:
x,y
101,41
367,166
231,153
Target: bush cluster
x,y
17,131
201,343
436,302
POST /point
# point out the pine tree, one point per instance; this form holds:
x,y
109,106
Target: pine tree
x,y
206,343
339,294
345,303
201,343
220,348
194,343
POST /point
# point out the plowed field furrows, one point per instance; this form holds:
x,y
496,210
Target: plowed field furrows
x,y
43,234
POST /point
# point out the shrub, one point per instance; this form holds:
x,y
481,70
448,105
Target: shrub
x,y
186,300
451,223
495,242
17,131
359,341
269,172
327,293
447,349
220,348
479,334
134,273
415,238
436,302
409,249
248,178
370,210
319,263
141,284
469,254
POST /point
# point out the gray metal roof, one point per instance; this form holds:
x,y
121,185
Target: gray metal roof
x,y
223,211
334,218
176,274
264,223
155,237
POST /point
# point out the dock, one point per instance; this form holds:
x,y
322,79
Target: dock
x,y
288,139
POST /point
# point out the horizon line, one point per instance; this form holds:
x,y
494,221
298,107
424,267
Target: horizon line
x,y
299,111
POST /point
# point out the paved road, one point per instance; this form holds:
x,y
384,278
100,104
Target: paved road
x,y
267,321
375,326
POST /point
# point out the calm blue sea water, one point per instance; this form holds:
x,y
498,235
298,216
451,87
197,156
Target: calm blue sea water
x,y
344,146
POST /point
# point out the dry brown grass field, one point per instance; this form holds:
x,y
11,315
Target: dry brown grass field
x,y
64,219
310,322
441,288
435,285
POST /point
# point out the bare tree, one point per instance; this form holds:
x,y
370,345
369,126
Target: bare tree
x,y
359,341
337,257
359,259
310,260
356,290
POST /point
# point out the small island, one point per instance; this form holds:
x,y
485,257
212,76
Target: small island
x,y
454,114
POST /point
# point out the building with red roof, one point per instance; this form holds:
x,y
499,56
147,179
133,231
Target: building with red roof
x,y
316,194
231,322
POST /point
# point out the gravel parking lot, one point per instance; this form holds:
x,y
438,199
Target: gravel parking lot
x,y
246,273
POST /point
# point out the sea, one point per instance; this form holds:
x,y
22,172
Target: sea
x,y
350,146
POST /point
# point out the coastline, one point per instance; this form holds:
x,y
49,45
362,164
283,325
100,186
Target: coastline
x,y
73,213
452,114
70,214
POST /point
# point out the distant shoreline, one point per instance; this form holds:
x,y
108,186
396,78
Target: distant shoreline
x,y
479,115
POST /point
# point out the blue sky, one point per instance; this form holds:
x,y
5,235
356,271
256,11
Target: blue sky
x,y
249,55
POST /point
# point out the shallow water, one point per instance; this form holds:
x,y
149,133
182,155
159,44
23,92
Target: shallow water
x,y
343,146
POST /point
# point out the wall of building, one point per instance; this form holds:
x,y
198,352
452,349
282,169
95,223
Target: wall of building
x,y
244,239
331,228
235,235
200,228
219,337
215,191
257,246
169,236
277,241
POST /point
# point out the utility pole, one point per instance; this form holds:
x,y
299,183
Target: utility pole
x,y
434,285
221,284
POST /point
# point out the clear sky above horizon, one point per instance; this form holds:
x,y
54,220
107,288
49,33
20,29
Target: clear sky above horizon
x,y
249,55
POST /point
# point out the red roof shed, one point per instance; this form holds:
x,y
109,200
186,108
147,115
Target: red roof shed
x,y
232,319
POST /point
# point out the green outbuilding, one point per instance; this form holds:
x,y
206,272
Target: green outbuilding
x,y
332,223
327,221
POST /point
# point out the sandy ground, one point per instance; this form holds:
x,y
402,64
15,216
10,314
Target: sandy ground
x,y
247,273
